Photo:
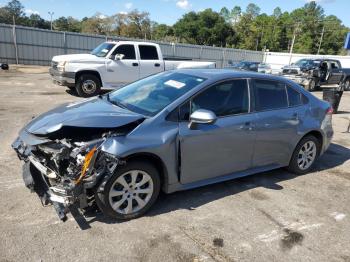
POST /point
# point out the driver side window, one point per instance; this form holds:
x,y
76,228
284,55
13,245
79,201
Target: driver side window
x,y
127,50
224,99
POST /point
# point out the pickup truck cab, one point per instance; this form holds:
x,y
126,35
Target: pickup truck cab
x,y
113,64
316,73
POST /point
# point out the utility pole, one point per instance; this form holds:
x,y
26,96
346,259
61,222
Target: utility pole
x,y
319,46
259,38
51,14
15,38
293,41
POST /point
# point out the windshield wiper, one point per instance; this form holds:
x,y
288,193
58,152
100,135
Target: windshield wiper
x,y
117,103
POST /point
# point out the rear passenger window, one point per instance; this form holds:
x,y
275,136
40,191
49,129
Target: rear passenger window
x,y
294,97
269,95
148,52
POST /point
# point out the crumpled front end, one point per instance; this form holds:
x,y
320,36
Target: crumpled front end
x,y
63,172
301,76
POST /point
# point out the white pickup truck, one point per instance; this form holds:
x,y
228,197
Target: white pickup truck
x,y
113,64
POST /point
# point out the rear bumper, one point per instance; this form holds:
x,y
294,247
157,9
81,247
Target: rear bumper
x,y
62,78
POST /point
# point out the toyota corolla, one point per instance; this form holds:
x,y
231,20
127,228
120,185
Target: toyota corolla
x,y
172,131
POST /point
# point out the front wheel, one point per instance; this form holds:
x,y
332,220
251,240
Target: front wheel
x,y
312,85
131,191
304,155
347,85
88,85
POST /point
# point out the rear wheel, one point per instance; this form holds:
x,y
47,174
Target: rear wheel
x,y
131,191
88,85
304,155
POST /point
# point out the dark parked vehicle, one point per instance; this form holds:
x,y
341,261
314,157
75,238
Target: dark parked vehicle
x,y
172,131
316,73
245,66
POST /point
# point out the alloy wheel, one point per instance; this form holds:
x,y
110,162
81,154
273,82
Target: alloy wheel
x,y
131,192
307,155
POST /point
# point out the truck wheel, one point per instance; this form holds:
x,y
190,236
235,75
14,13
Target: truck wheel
x,y
130,191
347,85
88,85
312,86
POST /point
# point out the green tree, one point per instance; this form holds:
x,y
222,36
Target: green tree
x,y
277,12
206,27
308,25
68,24
35,20
139,24
13,9
162,32
333,37
236,13
252,10
226,14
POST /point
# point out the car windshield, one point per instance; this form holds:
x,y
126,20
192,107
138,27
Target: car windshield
x,y
152,94
264,66
305,62
243,64
103,49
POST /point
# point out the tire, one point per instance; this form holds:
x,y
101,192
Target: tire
x,y
118,206
4,66
312,86
295,165
88,85
347,85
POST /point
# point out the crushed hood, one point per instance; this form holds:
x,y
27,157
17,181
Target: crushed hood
x,y
91,114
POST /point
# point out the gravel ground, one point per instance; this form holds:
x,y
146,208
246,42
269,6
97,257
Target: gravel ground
x,y
273,216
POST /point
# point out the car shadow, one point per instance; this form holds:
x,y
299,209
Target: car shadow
x,y
335,156
342,112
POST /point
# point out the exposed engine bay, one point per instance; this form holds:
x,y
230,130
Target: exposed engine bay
x,y
65,169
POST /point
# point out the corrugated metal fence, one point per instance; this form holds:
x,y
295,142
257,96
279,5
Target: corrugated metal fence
x,y
32,46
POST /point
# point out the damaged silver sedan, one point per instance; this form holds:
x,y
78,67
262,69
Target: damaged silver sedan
x,y
172,131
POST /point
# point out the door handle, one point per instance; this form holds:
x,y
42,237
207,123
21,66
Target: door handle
x,y
157,65
135,64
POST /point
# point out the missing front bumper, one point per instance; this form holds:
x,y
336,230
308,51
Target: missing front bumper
x,y
60,197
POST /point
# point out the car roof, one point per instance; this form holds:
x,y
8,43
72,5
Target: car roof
x,y
319,59
130,41
221,74
251,62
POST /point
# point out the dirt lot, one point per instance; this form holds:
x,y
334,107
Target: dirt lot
x,y
274,216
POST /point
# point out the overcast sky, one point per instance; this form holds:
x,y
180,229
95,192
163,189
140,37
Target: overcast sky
x,y
168,11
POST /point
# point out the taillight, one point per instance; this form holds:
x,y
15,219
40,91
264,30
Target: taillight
x,y
329,111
